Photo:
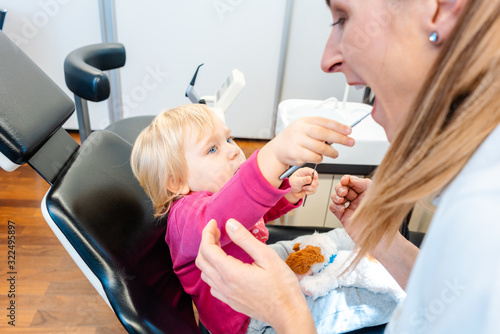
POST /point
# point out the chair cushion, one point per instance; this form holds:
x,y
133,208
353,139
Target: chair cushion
x,y
33,107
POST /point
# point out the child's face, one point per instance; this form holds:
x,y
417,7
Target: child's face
x,y
212,160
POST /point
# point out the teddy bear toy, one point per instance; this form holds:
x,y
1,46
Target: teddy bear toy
x,y
320,262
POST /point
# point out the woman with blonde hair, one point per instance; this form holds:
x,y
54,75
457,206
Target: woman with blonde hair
x,y
434,67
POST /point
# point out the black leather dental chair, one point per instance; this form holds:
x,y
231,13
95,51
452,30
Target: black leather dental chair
x,y
95,206
85,77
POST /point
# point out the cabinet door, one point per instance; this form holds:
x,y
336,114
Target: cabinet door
x,y
330,219
314,211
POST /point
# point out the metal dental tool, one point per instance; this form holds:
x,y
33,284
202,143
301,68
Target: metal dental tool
x,y
312,179
291,170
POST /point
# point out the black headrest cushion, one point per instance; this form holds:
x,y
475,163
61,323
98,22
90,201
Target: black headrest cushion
x,y
32,106
83,69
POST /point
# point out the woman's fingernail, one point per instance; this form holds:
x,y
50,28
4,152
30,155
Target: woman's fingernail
x,y
337,198
340,207
348,130
354,177
231,225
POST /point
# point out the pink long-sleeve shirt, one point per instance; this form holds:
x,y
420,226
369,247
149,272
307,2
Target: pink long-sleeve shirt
x,y
248,198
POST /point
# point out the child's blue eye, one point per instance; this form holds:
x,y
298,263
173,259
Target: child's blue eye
x,y
213,149
230,140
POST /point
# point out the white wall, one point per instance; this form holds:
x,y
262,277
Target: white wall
x,y
304,79
166,40
171,38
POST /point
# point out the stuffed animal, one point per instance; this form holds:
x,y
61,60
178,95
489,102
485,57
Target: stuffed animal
x,y
320,262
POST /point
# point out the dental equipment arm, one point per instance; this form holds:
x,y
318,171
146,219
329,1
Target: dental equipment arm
x,y
224,97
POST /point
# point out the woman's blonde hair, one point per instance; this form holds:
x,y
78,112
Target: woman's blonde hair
x,y
158,160
457,108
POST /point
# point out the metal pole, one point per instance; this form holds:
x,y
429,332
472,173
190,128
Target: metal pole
x,y
82,113
109,35
282,62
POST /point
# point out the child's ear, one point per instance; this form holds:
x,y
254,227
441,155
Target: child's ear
x,y
182,189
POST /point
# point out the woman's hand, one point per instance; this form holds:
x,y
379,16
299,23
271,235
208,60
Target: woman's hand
x,y
346,198
303,182
266,290
397,255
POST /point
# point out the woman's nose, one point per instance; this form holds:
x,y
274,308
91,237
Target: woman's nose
x,y
332,58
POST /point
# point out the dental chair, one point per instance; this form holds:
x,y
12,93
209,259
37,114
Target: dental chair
x,y
95,206
84,75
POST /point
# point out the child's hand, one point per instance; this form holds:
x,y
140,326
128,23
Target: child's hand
x,y
303,182
307,139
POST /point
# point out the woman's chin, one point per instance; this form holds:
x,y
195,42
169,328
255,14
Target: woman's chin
x,y
377,115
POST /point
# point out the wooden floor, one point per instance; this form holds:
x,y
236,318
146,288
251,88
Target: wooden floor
x,y
51,294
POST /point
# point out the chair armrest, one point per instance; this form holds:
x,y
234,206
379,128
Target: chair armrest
x,y
283,232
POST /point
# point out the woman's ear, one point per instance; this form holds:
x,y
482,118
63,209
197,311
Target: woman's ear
x,y
443,18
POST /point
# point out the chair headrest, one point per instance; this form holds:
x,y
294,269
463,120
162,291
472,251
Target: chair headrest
x,y
83,69
32,106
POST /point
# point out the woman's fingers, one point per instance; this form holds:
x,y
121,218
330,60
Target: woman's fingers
x,y
210,253
347,196
350,188
343,194
359,185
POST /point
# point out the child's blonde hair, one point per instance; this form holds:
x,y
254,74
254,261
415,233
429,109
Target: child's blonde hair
x,y
158,160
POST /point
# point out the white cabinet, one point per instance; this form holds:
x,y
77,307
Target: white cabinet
x,y
314,212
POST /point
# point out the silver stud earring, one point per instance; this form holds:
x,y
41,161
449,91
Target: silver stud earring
x,y
433,37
